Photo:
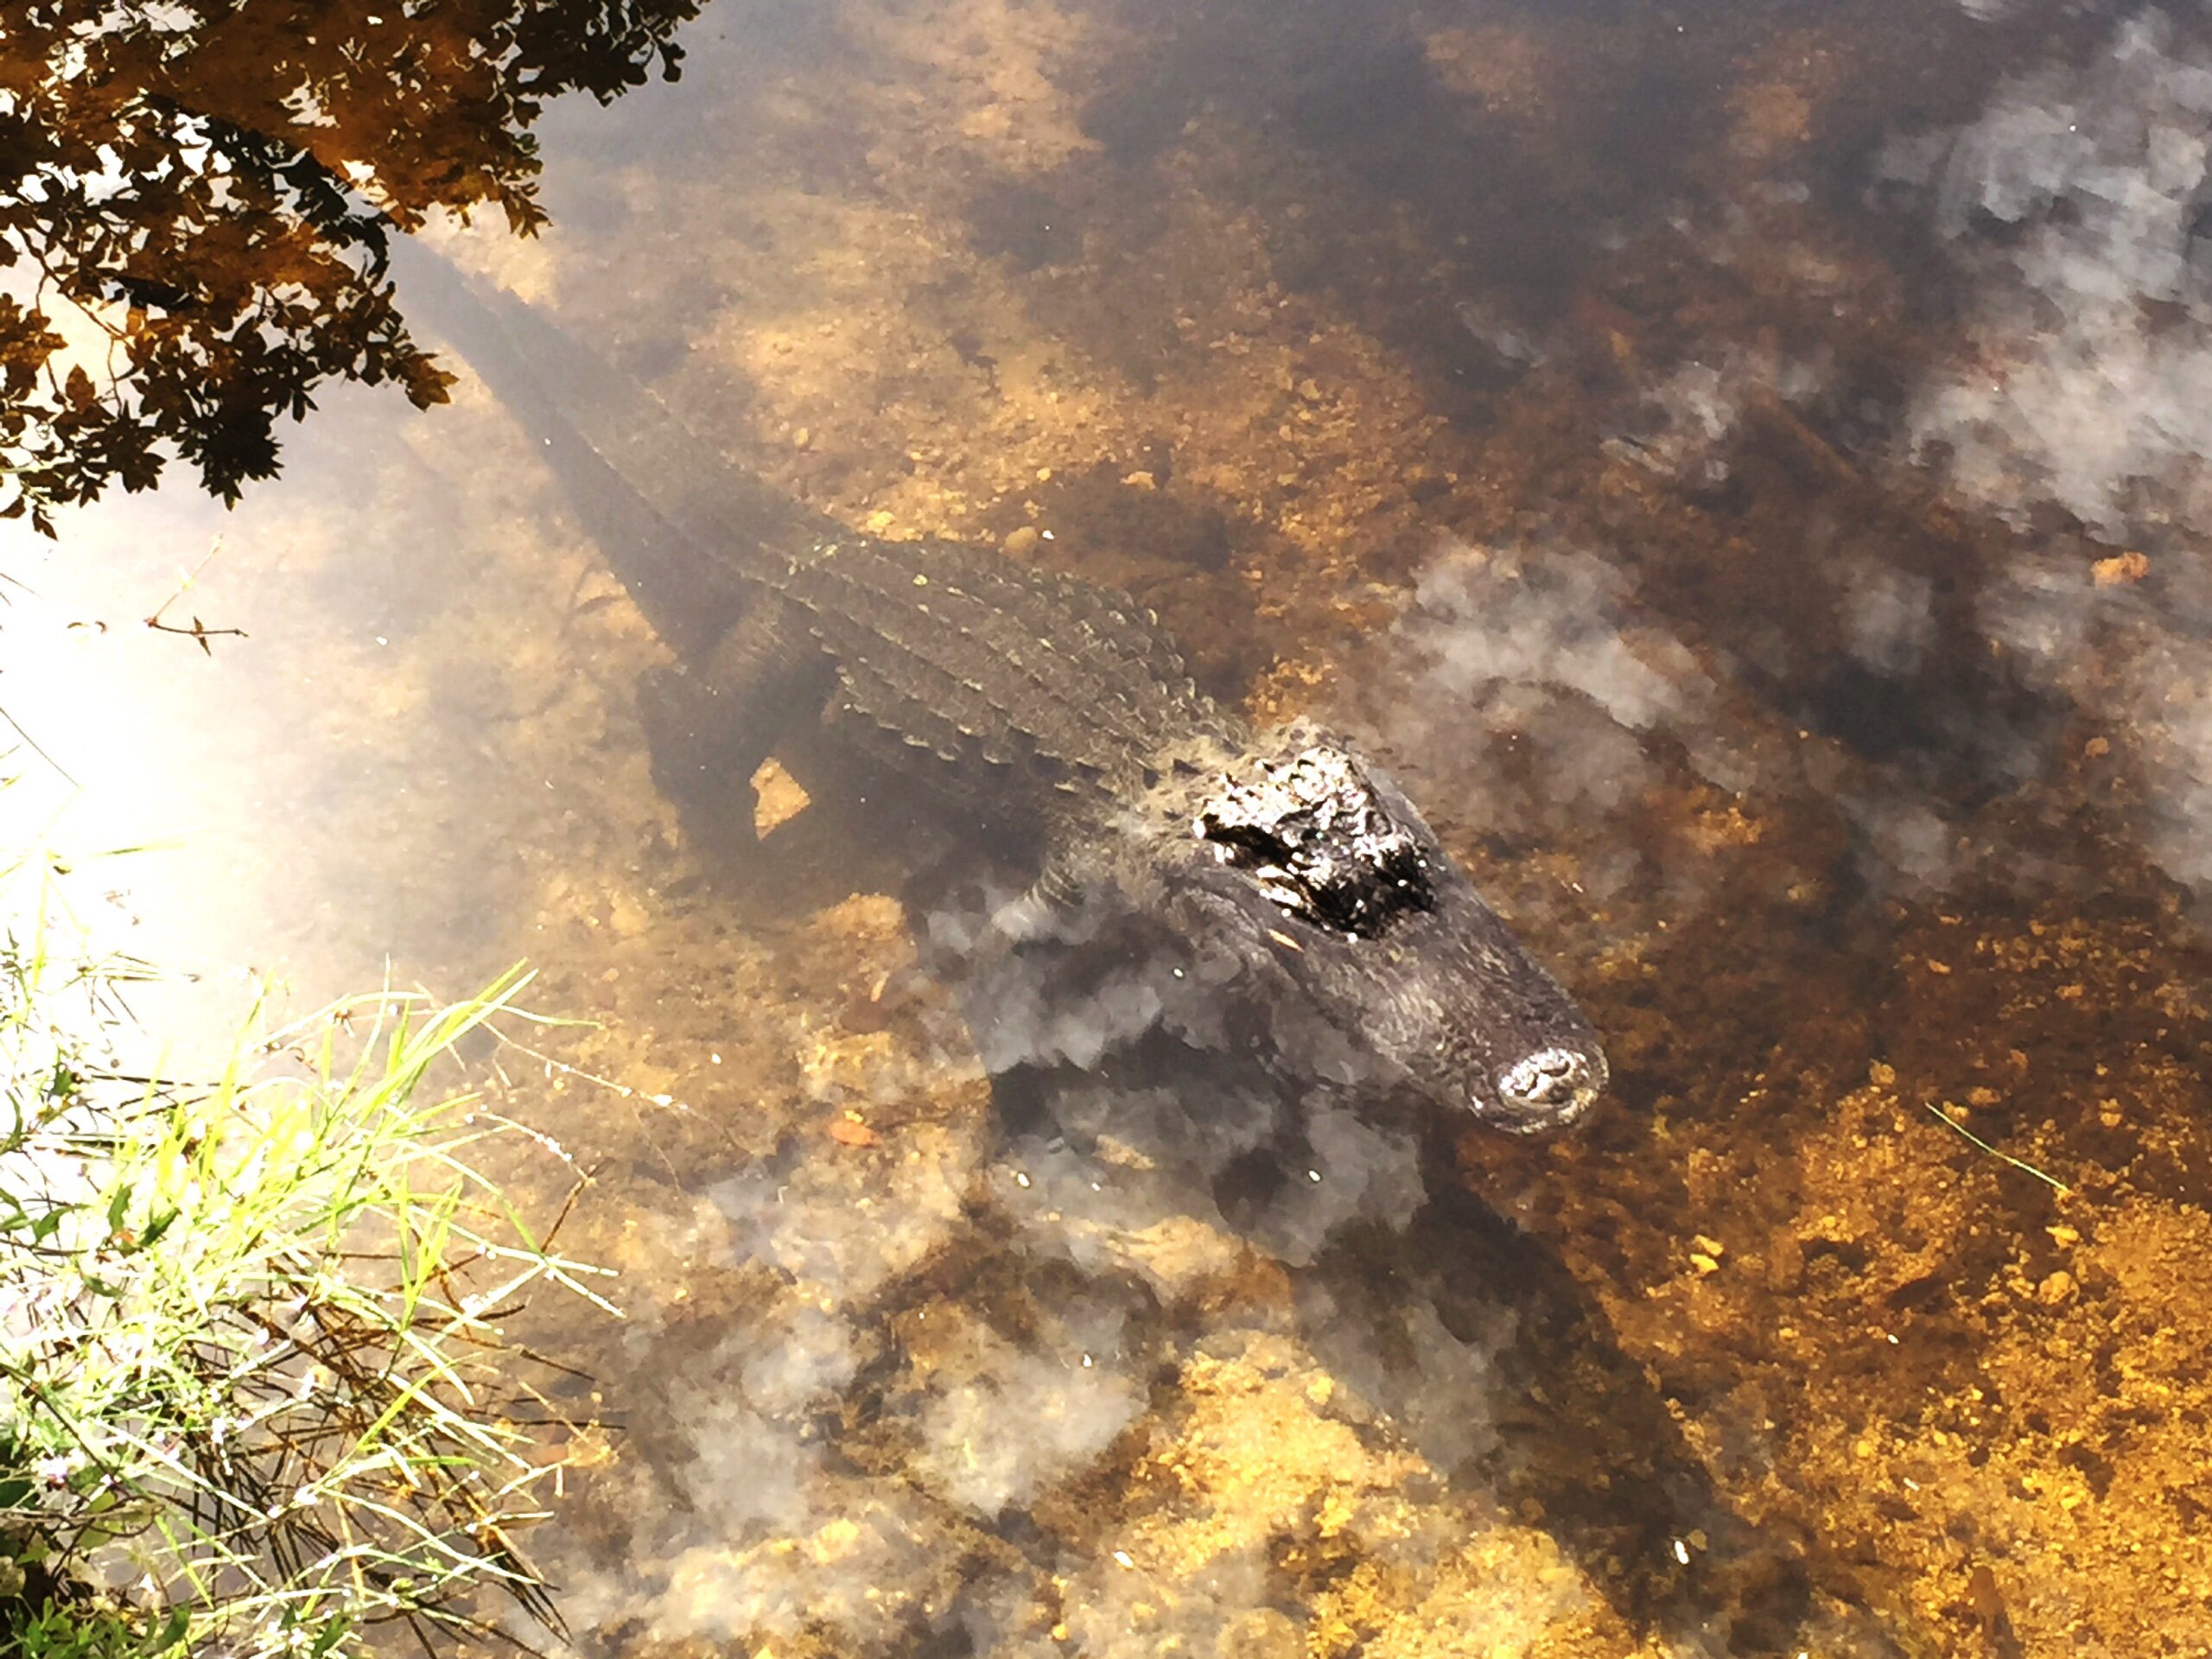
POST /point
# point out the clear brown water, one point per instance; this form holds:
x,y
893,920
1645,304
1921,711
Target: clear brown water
x,y
1743,465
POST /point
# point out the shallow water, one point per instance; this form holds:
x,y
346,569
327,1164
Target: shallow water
x,y
1741,467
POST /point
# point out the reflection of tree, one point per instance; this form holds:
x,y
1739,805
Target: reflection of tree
x,y
208,181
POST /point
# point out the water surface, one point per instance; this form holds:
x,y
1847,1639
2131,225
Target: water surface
x,y
1741,464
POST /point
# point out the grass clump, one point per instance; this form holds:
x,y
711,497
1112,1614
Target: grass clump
x,y
254,1400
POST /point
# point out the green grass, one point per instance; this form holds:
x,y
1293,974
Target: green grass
x,y
254,1396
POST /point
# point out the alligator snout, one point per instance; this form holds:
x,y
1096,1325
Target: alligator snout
x,y
1549,1089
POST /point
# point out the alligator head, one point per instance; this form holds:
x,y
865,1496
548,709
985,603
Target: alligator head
x,y
1311,864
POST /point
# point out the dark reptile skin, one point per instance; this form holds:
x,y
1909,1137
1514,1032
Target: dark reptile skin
x,y
1054,715
1047,695
1053,695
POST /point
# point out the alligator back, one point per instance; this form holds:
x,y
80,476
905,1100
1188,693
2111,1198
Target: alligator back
x,y
950,659
1048,684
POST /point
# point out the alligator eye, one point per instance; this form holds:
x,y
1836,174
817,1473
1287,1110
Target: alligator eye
x,y
1319,843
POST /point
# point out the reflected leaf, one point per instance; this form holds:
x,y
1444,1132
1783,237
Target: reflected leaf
x,y
198,197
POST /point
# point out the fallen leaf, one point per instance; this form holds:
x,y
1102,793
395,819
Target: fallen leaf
x,y
2122,570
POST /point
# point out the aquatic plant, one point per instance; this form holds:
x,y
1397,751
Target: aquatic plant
x,y
254,1394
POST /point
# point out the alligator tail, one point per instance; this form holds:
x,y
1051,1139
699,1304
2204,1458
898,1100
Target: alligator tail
x,y
686,531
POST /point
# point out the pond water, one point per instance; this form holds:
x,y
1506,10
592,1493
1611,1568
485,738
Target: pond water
x,y
1741,466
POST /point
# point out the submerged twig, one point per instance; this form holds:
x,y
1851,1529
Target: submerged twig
x,y
2025,1167
39,749
198,631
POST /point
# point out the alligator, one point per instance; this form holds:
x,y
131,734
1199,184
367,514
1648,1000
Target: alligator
x,y
1057,713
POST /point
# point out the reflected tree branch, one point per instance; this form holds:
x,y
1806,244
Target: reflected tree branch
x,y
212,185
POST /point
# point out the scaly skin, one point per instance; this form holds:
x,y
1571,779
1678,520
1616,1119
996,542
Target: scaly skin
x,y
1061,713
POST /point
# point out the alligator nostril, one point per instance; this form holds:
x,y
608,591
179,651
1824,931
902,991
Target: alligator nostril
x,y
1553,1080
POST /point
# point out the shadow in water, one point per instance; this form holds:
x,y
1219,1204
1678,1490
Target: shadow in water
x,y
1581,1441
1466,1336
